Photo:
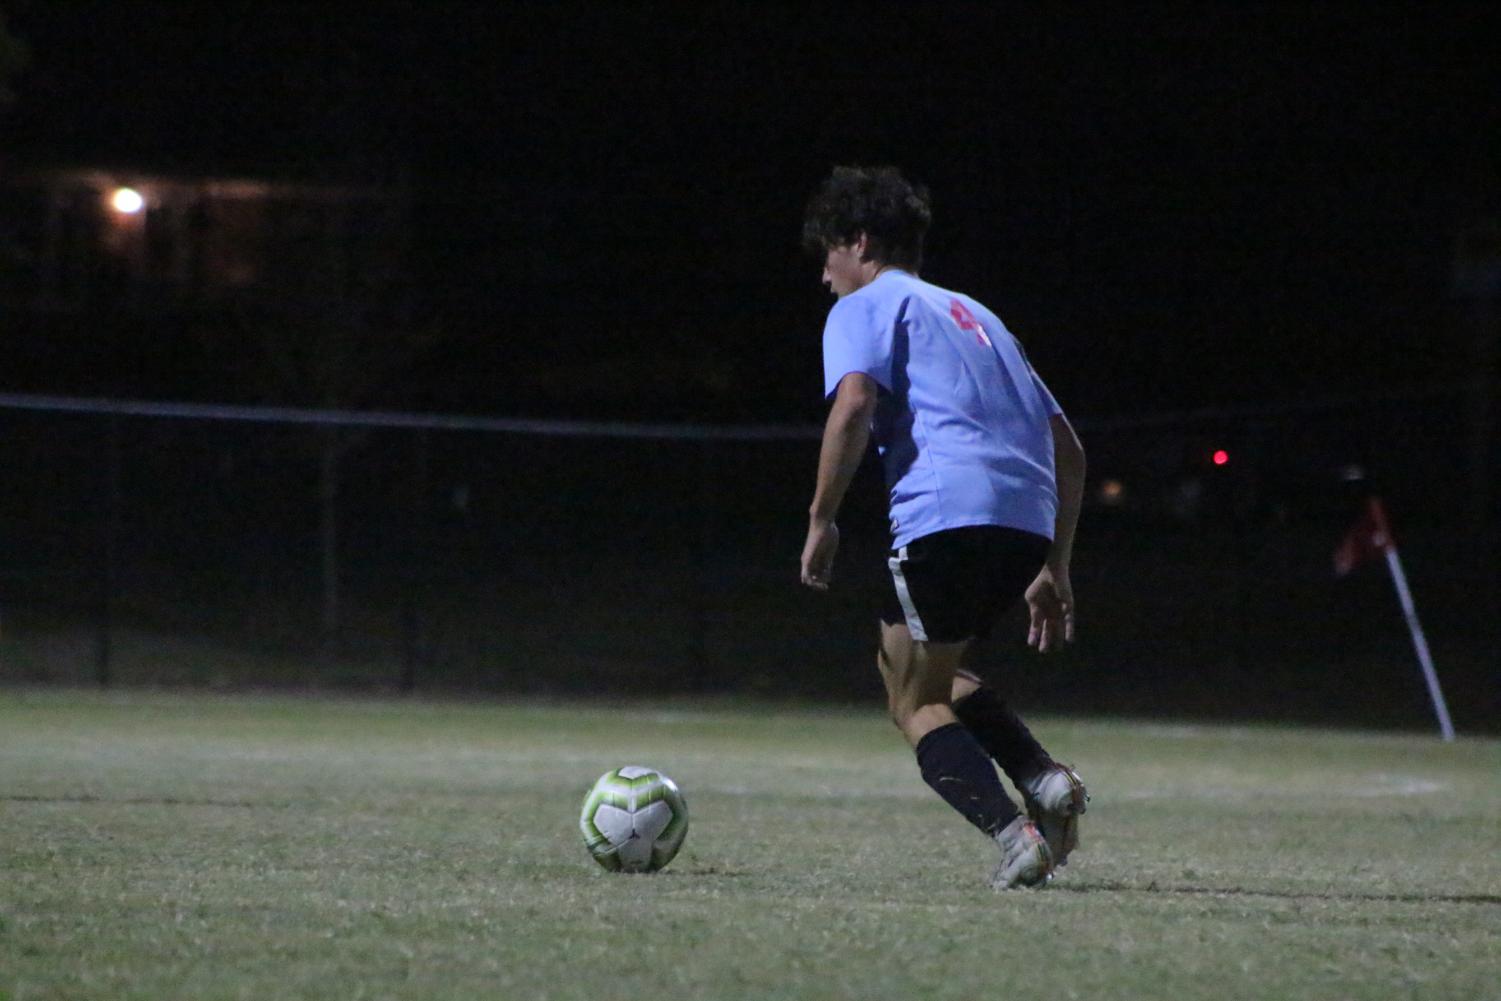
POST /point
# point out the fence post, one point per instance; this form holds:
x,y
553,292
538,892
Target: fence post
x,y
418,551
103,646
698,636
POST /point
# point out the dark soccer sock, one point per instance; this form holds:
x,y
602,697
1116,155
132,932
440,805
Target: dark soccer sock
x,y
1001,733
958,770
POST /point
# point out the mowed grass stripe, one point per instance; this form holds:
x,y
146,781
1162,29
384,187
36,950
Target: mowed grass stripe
x,y
181,846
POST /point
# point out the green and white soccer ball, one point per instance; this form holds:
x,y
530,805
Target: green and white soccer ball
x,y
634,820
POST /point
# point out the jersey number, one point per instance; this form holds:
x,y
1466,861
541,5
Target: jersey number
x,y
967,321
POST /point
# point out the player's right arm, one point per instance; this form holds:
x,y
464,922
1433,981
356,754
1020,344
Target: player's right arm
x,y
845,437
1050,599
857,353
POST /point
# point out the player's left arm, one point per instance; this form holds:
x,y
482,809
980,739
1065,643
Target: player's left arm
x,y
845,437
1050,598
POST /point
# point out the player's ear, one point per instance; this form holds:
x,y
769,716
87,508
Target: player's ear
x,y
860,246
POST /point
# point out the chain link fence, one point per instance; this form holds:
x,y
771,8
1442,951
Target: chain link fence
x,y
157,548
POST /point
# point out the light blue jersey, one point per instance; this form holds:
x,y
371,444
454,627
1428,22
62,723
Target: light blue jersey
x,y
963,427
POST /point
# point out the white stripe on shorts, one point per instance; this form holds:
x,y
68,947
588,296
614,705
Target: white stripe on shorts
x,y
914,621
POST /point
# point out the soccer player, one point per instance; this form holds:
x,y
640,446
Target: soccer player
x,y
985,477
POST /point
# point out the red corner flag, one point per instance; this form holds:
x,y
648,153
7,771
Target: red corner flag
x,y
1367,537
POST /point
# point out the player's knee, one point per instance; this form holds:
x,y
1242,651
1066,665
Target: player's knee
x,y
924,719
907,713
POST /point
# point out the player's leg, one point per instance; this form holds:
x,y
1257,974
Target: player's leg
x,y
1005,563
1054,793
919,674
999,730
918,678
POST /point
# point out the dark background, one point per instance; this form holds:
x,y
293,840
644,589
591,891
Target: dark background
x,y
1173,206
1264,229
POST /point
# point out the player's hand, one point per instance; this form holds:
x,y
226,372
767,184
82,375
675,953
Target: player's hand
x,y
1050,602
818,554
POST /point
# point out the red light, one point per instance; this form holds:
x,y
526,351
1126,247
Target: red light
x,y
1221,457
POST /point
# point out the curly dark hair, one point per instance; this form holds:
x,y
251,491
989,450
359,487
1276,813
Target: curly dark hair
x,y
877,201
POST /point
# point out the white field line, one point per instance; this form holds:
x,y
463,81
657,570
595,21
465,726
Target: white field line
x,y
1401,786
1373,786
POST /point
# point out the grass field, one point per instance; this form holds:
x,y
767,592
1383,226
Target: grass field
x,y
160,846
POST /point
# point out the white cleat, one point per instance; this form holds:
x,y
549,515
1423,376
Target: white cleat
x,y
1055,798
1026,859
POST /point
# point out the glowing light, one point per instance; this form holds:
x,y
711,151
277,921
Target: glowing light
x,y
127,201
1112,492
1221,457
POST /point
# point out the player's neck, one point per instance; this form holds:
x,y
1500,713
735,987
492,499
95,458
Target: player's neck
x,y
868,272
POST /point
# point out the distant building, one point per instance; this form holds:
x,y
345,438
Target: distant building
x,y
79,239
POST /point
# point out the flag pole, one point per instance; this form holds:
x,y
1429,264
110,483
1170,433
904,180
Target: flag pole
x,y
1382,539
1419,642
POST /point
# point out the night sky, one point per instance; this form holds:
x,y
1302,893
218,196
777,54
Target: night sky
x,y
1174,207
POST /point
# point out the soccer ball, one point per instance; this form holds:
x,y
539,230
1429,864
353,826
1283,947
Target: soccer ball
x,y
634,820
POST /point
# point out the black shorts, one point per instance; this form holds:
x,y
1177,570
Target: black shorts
x,y
953,585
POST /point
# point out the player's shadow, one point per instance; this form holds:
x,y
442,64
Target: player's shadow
x,y
1490,899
